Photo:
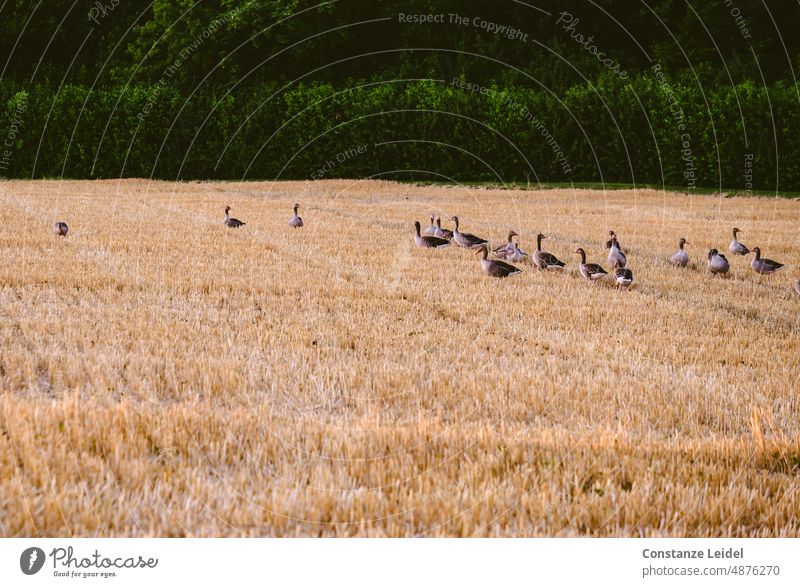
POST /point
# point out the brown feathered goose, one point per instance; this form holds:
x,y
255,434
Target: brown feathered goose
x,y
503,251
680,257
442,232
623,276
717,263
736,247
495,268
543,259
428,241
590,271
295,221
60,228
231,222
764,266
431,230
464,239
615,255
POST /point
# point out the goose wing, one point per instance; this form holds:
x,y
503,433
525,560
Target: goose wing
x,y
501,269
432,242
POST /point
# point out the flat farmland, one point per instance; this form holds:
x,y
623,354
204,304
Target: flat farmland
x,y
164,375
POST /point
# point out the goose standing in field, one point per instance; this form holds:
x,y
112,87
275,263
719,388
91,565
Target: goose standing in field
x,y
428,241
442,232
590,271
431,230
518,256
295,221
615,255
717,263
623,276
503,251
231,222
543,259
736,247
764,266
464,239
680,257
495,268
60,228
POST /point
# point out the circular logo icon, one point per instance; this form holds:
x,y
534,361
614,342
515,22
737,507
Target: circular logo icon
x,y
31,560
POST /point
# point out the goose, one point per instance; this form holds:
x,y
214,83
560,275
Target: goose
x,y
503,251
518,256
495,268
680,257
590,271
717,263
442,232
466,240
431,230
543,259
623,276
612,234
60,228
615,255
764,266
295,221
736,247
231,222
428,241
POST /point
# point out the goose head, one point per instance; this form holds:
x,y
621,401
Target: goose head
x,y
483,250
227,209
682,242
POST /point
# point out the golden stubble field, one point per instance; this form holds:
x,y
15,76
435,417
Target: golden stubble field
x,y
162,375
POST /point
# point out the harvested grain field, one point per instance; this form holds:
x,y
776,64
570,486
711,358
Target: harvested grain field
x,y
163,375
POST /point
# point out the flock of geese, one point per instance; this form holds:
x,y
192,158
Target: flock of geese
x,y
436,237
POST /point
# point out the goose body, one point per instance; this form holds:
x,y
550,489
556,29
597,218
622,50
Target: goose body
x,y
442,232
518,256
590,271
231,222
764,266
494,268
680,257
544,260
466,240
623,276
615,256
717,263
295,221
737,248
504,251
60,228
428,241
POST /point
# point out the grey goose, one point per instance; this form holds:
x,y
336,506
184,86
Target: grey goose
x,y
465,239
231,222
680,257
717,263
590,271
295,221
615,255
623,276
442,232
428,241
736,247
764,266
544,260
431,230
495,268
503,251
60,228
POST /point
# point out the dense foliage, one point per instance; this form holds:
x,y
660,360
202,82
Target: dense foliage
x,y
682,94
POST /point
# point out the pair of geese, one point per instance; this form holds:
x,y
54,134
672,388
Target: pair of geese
x,y
718,264
295,221
436,237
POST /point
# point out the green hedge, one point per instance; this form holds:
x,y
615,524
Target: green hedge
x,y
611,130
